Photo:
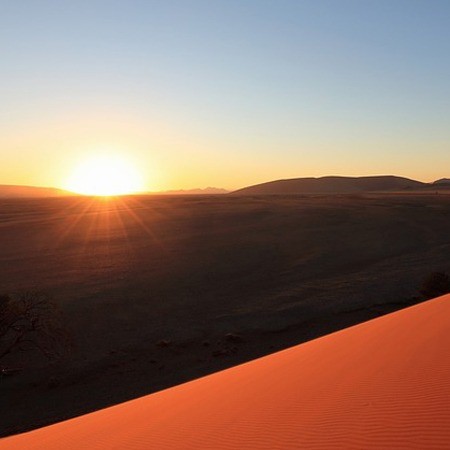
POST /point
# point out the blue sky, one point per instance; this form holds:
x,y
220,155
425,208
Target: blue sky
x,y
225,93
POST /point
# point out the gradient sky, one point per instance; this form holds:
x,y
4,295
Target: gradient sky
x,y
225,93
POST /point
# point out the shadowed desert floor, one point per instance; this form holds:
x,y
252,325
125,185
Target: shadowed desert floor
x,y
160,290
381,384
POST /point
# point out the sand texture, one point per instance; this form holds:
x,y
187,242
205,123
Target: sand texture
x,y
381,384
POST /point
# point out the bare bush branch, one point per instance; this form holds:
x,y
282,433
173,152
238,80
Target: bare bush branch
x,y
31,322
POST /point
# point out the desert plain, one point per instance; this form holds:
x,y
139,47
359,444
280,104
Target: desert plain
x,y
156,291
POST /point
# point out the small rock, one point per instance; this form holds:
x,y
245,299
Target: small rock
x,y
163,343
222,352
53,382
231,337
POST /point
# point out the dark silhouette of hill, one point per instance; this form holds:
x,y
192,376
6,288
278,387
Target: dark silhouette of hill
x,y
331,185
12,191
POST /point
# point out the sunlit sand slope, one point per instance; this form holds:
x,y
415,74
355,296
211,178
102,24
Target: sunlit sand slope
x,y
381,384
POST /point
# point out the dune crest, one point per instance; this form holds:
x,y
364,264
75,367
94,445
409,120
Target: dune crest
x,y
381,384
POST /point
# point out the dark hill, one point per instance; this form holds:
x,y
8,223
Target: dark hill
x,y
331,185
443,182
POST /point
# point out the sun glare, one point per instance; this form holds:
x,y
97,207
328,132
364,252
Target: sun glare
x,y
105,175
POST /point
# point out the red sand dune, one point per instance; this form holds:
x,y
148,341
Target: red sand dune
x,y
381,384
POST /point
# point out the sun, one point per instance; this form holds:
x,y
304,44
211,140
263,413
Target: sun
x,y
105,175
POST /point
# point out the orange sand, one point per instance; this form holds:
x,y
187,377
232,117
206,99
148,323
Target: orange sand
x,y
381,384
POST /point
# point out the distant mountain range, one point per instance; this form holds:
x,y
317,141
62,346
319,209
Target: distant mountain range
x,y
293,186
205,191
339,185
11,191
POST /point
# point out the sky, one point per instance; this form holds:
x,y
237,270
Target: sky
x,y
226,93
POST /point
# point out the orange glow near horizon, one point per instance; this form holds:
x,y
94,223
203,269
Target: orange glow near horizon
x,y
105,175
